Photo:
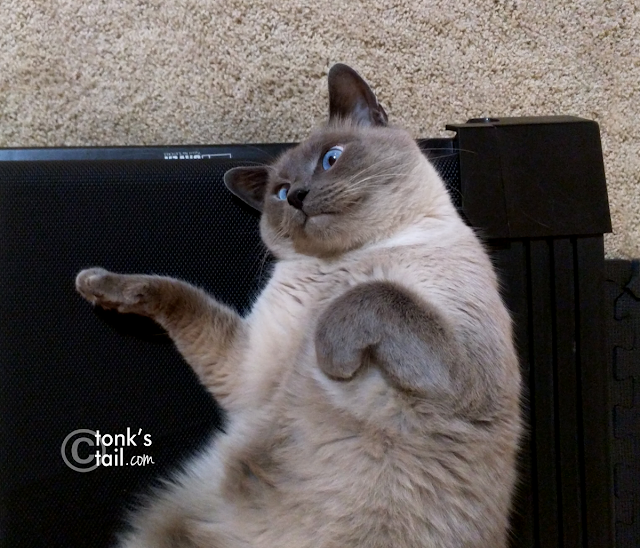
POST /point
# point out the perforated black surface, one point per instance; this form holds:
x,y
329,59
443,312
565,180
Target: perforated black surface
x,y
448,166
66,366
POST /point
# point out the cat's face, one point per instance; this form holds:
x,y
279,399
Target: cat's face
x,y
352,182
338,190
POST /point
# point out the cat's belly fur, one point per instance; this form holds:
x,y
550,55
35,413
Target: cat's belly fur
x,y
310,462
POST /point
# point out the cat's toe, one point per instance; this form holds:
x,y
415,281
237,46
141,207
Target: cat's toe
x,y
125,293
89,282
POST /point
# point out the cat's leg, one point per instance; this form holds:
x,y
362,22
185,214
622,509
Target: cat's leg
x,y
204,330
383,324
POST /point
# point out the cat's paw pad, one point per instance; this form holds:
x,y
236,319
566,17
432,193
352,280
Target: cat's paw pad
x,y
125,293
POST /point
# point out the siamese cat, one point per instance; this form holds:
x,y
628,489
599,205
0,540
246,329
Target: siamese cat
x,y
373,390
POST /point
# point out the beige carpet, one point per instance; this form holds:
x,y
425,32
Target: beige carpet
x,y
132,72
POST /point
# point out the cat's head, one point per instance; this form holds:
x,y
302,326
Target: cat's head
x,y
352,182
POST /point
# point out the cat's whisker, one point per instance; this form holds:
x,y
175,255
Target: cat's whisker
x,y
447,151
363,175
382,176
374,167
263,258
355,187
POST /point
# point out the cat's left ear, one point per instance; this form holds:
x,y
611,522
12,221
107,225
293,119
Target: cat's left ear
x,y
248,183
350,97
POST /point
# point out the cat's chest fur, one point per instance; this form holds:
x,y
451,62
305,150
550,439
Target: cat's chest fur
x,y
283,319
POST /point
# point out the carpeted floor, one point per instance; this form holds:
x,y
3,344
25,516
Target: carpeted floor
x,y
132,72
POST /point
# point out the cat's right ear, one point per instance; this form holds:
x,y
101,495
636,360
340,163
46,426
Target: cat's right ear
x,y
350,97
248,183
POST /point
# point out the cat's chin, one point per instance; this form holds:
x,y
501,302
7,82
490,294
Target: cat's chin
x,y
321,221
320,227
318,235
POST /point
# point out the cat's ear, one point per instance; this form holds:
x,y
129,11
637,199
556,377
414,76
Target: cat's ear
x,y
350,97
248,183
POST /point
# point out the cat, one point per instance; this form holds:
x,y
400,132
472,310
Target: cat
x,y
373,390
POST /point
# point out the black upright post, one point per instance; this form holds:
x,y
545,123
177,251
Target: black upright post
x,y
535,189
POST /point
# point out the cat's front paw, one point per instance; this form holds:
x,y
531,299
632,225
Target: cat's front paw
x,y
342,339
122,292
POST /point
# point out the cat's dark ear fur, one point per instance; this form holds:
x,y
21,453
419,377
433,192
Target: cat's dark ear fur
x,y
248,183
351,98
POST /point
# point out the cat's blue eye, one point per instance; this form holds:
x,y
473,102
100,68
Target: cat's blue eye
x,y
281,194
331,157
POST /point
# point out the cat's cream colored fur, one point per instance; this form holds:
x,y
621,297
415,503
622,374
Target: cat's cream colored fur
x,y
309,460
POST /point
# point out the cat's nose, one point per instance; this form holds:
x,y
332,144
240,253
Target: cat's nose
x,y
296,197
